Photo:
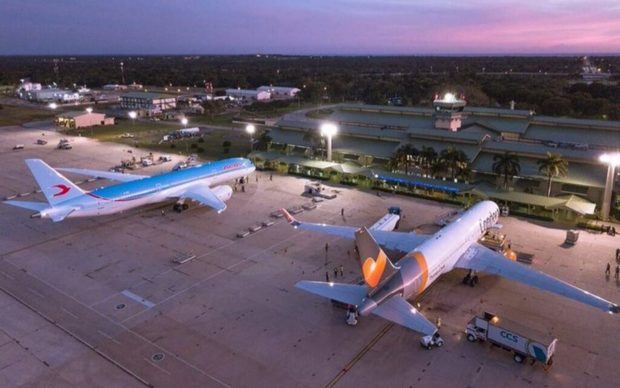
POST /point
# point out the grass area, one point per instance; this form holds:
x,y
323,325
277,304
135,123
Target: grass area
x,y
154,130
319,113
271,111
209,148
224,119
13,115
148,135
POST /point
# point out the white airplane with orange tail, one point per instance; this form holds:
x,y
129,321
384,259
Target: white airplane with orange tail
x,y
387,286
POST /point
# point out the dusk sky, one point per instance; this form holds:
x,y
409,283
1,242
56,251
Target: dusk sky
x,y
309,27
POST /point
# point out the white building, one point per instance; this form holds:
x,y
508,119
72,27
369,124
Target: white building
x,y
152,103
51,94
280,92
248,95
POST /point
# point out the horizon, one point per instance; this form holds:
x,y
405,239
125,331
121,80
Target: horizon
x,y
313,28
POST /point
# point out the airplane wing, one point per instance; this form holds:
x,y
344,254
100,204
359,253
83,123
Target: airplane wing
x,y
403,242
480,258
346,293
398,310
115,176
204,195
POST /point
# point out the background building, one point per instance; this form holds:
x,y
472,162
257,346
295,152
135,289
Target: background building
x,y
248,95
82,119
280,92
152,104
482,134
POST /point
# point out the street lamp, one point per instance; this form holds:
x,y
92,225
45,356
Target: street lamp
x,y
53,105
132,116
612,161
251,130
328,130
89,110
184,121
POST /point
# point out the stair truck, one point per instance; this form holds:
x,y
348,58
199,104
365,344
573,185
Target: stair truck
x,y
522,342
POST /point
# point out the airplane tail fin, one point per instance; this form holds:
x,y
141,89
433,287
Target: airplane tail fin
x,y
375,264
54,186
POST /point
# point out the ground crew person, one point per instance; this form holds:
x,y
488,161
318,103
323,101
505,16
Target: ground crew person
x,y
608,269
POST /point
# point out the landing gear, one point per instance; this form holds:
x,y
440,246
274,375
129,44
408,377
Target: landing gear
x,y
351,318
471,278
430,341
180,206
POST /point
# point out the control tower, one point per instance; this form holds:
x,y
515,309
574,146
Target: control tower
x,y
448,112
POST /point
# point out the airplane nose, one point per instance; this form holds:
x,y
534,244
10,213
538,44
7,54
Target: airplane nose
x,y
367,306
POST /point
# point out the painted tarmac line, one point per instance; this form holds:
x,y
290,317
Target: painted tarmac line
x,y
138,299
69,312
156,366
35,292
109,337
359,355
6,275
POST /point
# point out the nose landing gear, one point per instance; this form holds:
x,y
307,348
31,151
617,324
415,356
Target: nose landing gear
x,y
471,278
351,318
180,206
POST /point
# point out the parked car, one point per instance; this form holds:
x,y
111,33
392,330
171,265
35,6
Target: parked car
x,y
41,142
18,147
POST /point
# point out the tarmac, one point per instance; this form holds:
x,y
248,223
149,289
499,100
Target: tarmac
x,y
101,302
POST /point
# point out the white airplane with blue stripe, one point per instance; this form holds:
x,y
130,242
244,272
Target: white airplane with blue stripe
x,y
200,183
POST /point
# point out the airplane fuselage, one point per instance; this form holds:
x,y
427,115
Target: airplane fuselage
x,y
120,197
435,256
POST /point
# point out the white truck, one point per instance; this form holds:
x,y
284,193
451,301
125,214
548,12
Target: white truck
x,y
509,335
193,131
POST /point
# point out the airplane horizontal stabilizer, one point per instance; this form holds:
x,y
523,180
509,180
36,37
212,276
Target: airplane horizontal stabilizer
x,y
59,214
480,258
37,206
352,294
115,176
398,310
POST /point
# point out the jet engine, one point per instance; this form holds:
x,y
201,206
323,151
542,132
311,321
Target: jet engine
x,y
223,192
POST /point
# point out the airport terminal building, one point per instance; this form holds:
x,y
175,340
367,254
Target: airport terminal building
x,y
376,132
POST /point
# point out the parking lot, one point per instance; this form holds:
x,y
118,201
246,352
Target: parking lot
x,y
102,302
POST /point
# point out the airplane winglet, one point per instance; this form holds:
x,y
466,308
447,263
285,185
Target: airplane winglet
x,y
291,220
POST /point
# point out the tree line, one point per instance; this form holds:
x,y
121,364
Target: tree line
x,y
374,80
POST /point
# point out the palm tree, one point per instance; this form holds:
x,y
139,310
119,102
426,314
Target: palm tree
x,y
552,166
506,165
403,157
314,138
455,160
428,157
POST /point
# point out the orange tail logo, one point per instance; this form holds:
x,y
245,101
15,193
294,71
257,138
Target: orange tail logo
x,y
373,270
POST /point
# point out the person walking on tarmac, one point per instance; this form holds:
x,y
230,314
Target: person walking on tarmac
x,y
608,270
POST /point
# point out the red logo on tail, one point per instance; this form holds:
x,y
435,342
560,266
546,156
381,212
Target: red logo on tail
x,y
63,190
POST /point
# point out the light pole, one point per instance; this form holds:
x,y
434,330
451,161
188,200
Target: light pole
x,y
612,161
132,116
53,105
251,130
328,130
89,110
184,121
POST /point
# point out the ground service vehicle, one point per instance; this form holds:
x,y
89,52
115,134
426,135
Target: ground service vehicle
x,y
521,341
